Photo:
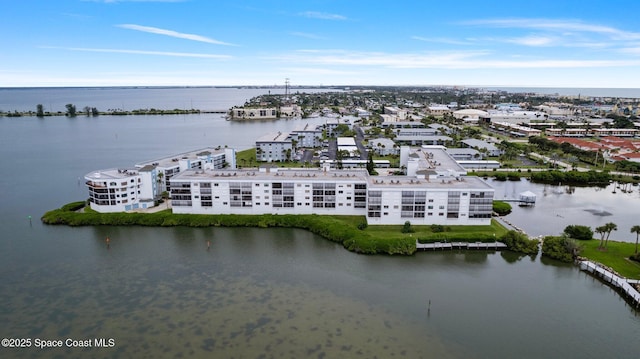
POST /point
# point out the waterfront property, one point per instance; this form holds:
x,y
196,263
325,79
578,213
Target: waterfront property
x,y
434,191
241,113
274,147
124,189
307,136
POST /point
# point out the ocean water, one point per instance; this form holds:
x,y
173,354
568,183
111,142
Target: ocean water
x,y
270,293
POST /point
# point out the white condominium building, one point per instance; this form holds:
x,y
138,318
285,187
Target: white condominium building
x,y
435,189
307,136
274,147
430,193
119,190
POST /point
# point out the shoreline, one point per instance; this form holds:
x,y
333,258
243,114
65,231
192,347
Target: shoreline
x,y
331,228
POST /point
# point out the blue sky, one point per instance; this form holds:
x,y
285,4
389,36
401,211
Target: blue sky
x,y
262,42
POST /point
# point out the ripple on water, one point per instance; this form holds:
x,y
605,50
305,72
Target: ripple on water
x,y
200,314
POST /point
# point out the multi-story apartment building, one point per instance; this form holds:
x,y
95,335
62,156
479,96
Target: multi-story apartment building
x,y
307,136
274,147
434,190
119,190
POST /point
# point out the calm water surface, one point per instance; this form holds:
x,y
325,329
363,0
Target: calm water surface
x,y
276,293
558,206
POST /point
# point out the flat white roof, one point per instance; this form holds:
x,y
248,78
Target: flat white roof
x,y
346,141
275,137
173,160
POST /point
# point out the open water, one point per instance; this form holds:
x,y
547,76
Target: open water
x,y
260,293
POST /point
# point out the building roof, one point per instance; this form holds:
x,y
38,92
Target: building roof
x,y
471,112
344,175
346,141
472,142
275,137
171,161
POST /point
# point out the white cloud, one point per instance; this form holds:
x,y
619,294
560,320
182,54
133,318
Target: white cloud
x,y
142,52
442,40
317,71
533,40
563,26
439,60
171,33
307,35
322,15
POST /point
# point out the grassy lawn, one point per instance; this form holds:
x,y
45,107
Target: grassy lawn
x,y
616,256
247,158
453,233
394,161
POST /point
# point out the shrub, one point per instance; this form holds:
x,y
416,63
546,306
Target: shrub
x,y
500,176
561,248
437,228
583,233
406,228
345,230
519,242
501,208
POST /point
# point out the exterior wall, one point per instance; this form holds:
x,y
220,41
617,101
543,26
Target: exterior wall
x,y
267,196
290,111
112,190
273,151
307,139
429,206
114,193
386,202
254,113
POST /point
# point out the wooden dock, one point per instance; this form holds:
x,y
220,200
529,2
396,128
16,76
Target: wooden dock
x,y
620,283
460,245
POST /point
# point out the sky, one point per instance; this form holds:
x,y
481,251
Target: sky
x,y
541,43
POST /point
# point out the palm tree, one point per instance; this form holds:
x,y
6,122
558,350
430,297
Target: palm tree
x,y
601,230
610,227
636,229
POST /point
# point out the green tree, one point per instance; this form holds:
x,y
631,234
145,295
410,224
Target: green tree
x,y
561,248
601,230
520,242
406,228
94,112
40,110
87,111
636,229
583,233
371,167
71,110
610,227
